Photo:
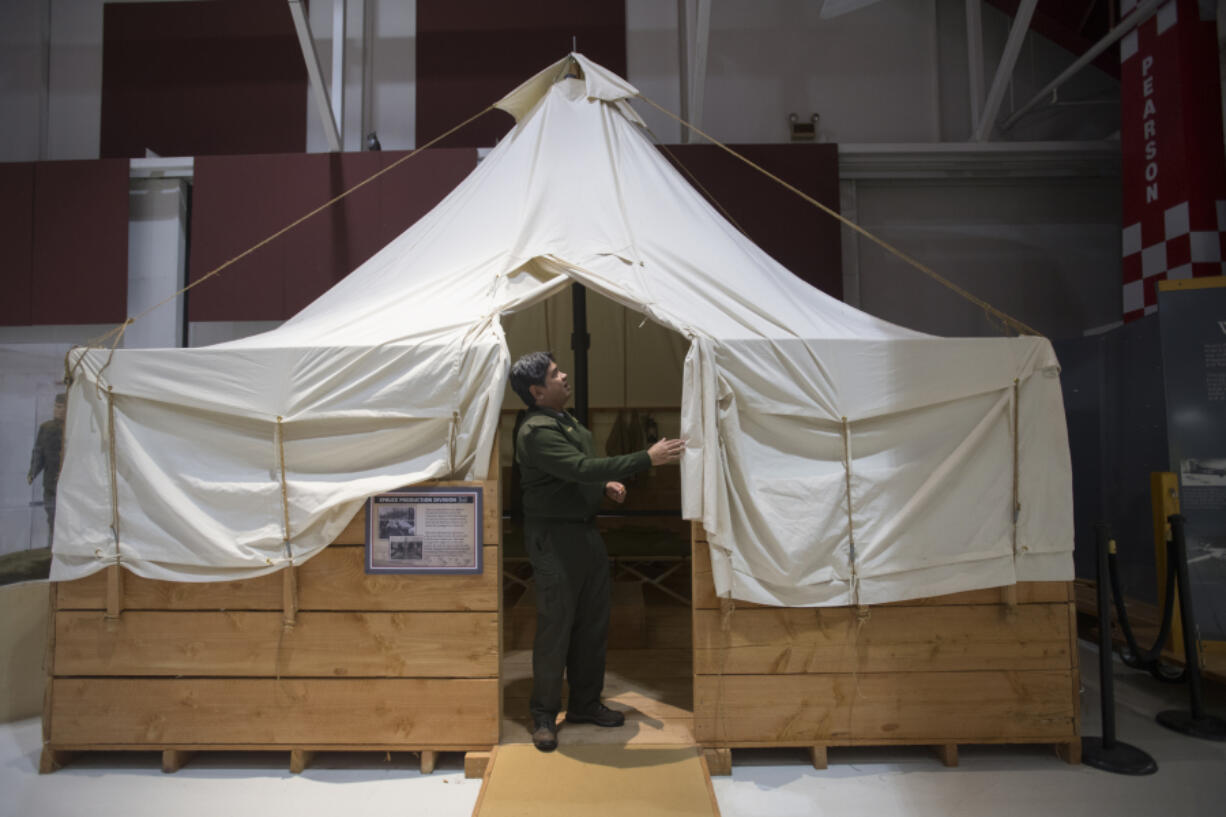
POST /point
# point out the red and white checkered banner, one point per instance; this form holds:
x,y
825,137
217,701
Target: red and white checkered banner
x,y
1174,171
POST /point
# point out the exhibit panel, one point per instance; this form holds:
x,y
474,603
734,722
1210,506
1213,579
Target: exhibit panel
x,y
322,656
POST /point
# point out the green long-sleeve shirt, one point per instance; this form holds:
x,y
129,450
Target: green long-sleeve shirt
x,y
560,474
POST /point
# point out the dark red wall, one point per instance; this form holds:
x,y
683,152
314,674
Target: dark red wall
x,y
16,242
471,53
794,232
64,242
240,200
202,78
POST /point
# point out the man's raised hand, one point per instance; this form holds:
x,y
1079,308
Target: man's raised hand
x,y
666,451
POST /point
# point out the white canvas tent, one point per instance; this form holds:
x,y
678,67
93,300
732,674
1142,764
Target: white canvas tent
x,y
833,458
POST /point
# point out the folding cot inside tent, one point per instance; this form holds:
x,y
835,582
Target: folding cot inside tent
x,y
833,458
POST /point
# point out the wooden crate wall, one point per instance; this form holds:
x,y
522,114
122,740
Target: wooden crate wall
x,y
989,666
379,662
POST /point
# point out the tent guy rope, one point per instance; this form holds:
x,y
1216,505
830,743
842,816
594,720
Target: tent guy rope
x,y
118,331
982,304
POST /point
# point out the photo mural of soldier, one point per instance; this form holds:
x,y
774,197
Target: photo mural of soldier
x,y
45,459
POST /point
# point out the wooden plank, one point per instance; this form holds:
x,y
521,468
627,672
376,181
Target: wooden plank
x,y
493,566
1074,666
174,759
916,707
51,760
335,579
114,591
475,764
354,532
1070,752
947,753
719,761
818,756
706,774
485,782
166,712
289,595
834,639
299,759
428,759
49,660
254,644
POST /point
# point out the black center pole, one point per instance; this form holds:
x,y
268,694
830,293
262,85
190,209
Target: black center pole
x,y
1196,722
580,340
1107,753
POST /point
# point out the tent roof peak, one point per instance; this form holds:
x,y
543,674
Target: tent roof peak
x,y
599,82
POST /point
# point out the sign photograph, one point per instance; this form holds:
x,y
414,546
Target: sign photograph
x,y
430,529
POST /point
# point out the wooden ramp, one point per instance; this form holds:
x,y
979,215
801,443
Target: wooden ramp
x,y
596,780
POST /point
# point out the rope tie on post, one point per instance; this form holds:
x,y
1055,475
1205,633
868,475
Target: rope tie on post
x,y
114,584
451,443
727,607
1017,504
119,333
851,532
114,471
290,589
1009,596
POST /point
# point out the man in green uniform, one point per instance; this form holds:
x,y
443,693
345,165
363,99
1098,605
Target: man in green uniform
x,y
46,458
563,483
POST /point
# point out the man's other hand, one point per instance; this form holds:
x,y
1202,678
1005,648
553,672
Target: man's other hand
x,y
615,491
666,451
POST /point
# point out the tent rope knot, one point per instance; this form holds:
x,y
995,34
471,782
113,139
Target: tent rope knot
x,y
280,433
851,531
114,472
1017,503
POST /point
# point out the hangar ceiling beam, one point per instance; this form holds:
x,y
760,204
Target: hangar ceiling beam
x,y
694,30
1004,71
974,57
1138,16
315,73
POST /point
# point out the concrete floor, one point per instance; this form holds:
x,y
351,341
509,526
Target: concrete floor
x,y
1003,780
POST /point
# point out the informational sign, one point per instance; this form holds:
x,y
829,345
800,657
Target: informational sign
x,y
1192,315
430,529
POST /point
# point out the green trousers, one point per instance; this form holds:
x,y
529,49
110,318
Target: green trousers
x,y
570,568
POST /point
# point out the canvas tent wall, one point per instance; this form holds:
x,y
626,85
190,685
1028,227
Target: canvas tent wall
x,y
833,458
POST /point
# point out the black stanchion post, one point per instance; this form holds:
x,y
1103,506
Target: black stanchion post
x,y
1195,722
1107,753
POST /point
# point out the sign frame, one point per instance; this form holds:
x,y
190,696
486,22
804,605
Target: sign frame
x,y
416,537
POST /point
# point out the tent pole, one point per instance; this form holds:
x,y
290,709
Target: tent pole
x,y
580,340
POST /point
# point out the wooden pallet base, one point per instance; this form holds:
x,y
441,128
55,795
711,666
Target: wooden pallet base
x,y
300,758
719,758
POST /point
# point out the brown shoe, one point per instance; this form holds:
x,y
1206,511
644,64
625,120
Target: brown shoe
x,y
545,735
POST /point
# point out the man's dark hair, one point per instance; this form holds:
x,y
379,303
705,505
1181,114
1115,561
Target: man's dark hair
x,y
529,370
